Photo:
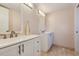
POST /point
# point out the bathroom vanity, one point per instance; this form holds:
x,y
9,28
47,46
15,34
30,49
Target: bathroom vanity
x,y
21,46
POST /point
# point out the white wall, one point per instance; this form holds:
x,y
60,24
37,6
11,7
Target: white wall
x,y
42,23
32,19
15,20
19,19
62,24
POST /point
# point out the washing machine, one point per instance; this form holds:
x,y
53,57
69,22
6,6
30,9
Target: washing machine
x,y
47,40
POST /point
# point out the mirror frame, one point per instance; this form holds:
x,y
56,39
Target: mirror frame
x,y
9,18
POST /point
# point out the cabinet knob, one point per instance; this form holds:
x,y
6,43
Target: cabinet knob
x,y
76,31
37,41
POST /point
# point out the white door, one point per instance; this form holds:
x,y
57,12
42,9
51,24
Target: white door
x,y
27,48
77,29
10,51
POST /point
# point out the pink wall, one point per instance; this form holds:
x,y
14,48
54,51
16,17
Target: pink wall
x,y
62,24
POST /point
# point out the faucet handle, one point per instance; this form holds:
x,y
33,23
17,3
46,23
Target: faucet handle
x,y
13,33
5,36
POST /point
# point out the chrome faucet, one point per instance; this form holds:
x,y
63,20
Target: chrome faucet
x,y
12,34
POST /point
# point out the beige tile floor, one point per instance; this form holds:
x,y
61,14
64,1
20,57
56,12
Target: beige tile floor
x,y
59,51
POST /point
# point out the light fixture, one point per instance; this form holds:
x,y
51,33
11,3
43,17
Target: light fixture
x,y
29,5
41,13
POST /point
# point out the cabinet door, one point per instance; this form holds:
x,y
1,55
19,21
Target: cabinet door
x,y
36,46
10,51
27,48
77,30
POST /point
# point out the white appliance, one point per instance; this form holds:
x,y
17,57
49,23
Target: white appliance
x,y
47,41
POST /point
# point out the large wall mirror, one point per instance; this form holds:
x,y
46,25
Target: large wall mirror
x,y
4,19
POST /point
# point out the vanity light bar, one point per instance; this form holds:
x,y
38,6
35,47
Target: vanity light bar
x,y
29,5
41,12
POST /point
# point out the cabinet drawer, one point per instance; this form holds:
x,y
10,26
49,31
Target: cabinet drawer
x,y
36,41
10,51
36,47
37,52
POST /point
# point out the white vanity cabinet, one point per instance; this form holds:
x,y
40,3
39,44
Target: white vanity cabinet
x,y
10,51
30,47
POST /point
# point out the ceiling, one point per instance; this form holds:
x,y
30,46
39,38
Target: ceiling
x,y
11,5
45,7
52,7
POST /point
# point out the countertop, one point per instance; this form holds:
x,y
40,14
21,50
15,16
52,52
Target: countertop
x,y
11,41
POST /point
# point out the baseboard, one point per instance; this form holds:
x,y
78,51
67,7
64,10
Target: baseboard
x,y
63,47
